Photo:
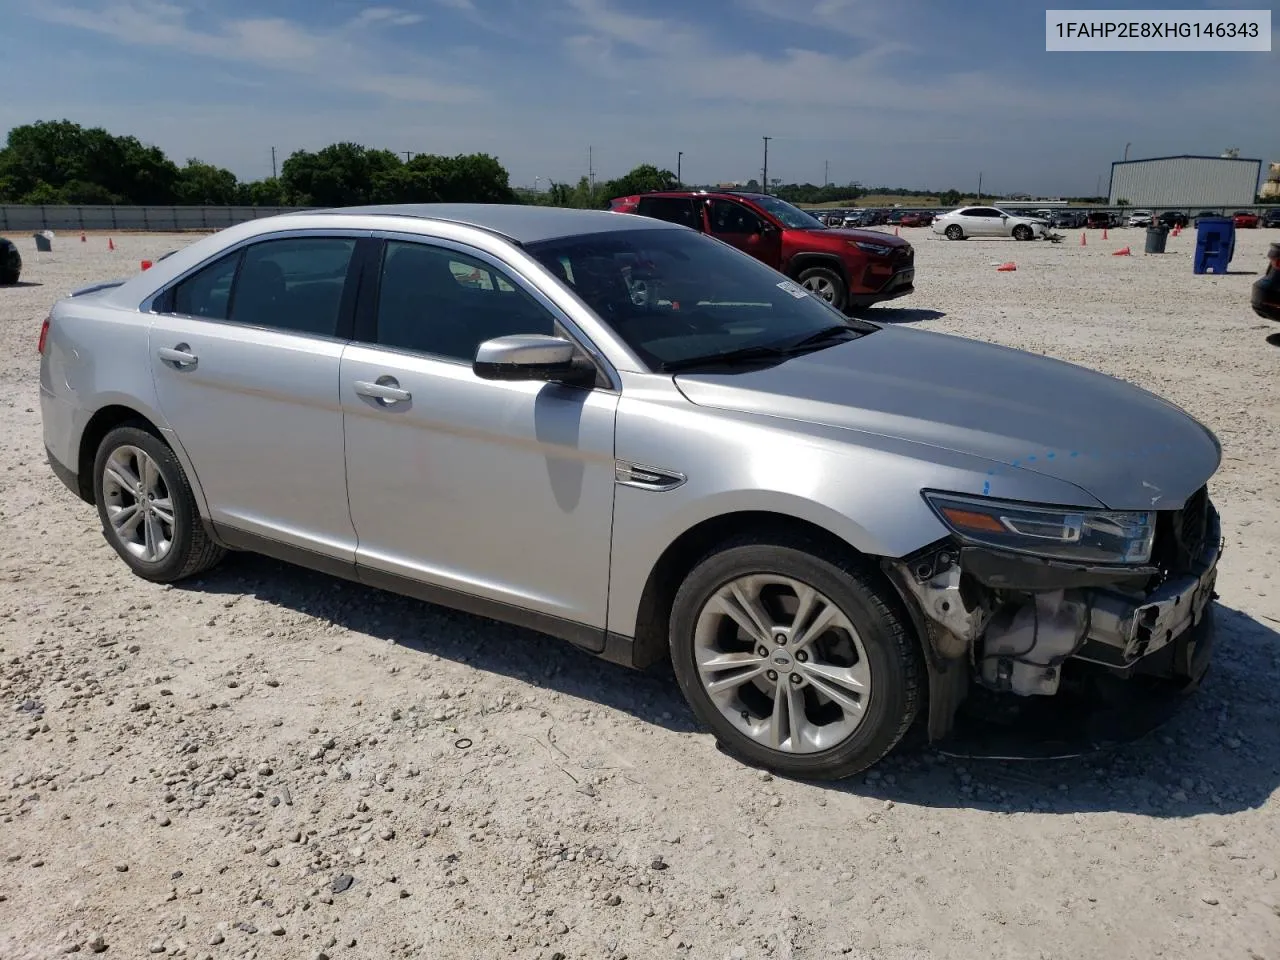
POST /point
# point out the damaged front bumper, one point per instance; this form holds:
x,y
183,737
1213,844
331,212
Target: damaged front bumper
x,y
1011,622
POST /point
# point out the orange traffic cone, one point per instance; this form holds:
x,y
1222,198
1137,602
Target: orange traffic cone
x,y
1007,267
145,264
895,232
82,237
1122,252
1104,233
1082,241
111,244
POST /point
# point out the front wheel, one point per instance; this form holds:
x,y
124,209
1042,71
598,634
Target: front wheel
x,y
954,232
825,284
798,663
1022,232
147,508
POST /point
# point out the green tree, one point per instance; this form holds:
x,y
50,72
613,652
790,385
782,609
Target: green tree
x,y
339,175
203,183
261,193
59,153
641,179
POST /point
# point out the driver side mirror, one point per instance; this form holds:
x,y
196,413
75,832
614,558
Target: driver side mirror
x,y
532,356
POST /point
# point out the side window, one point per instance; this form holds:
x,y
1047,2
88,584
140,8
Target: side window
x,y
207,293
294,284
436,301
672,210
730,217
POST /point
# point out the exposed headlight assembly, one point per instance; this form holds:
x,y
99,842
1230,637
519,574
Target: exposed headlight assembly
x,y
1059,533
879,249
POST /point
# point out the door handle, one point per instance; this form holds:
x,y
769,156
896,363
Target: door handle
x,y
179,356
386,389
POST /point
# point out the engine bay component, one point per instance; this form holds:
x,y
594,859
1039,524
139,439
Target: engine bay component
x,y
1025,645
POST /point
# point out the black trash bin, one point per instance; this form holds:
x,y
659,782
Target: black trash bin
x,y
1157,237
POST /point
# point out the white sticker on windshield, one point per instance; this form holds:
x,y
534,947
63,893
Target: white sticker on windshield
x,y
795,290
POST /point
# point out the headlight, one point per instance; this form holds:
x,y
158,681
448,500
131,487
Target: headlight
x,y
1061,533
879,249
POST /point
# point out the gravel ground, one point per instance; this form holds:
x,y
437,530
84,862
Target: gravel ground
x,y
270,763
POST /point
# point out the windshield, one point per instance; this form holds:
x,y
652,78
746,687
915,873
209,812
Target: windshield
x,y
790,216
675,295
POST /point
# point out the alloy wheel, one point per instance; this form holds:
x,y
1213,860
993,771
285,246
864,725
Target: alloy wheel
x,y
782,663
138,505
822,287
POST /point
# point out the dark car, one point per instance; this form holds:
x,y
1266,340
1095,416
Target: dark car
x,y
1173,218
847,268
1101,219
10,262
1266,290
1068,219
1271,218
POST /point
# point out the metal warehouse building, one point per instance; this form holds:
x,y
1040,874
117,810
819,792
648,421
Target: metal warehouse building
x,y
1186,181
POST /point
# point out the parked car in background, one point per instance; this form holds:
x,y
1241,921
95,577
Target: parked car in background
x,y
1208,215
642,441
1140,218
1068,219
10,262
1245,219
917,218
1173,218
847,268
874,217
1101,219
1271,218
969,222
1266,289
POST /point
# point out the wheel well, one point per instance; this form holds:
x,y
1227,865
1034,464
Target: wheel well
x,y
676,562
803,262
99,425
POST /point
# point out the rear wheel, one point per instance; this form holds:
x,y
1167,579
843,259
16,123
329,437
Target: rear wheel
x,y
147,508
954,232
798,663
826,284
1022,232
8,279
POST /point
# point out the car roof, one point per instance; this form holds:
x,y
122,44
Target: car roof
x,y
521,223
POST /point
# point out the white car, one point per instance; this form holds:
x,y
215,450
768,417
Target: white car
x,y
1141,218
969,222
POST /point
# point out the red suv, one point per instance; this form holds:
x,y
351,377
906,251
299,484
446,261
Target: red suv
x,y
847,268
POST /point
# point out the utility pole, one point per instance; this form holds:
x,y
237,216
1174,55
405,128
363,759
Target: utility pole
x,y
979,186
764,178
591,172
408,155
679,157
826,173
273,163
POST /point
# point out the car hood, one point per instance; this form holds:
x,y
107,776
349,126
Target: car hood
x,y
852,233
1126,447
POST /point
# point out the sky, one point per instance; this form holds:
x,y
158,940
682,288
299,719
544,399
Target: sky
x,y
914,93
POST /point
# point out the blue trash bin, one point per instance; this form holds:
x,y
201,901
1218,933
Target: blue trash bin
x,y
1215,244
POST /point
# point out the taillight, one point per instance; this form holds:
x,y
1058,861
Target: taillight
x,y
44,335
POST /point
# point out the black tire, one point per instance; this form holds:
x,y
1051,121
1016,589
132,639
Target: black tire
x,y
827,280
8,279
893,654
955,232
191,550
1023,232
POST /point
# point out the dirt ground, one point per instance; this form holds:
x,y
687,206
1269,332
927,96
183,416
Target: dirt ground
x,y
270,763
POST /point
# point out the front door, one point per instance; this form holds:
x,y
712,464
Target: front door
x,y
245,356
738,225
495,490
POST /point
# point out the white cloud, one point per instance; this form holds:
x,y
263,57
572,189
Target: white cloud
x,y
272,43
387,15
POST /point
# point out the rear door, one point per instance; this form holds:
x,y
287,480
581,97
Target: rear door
x,y
245,353
681,210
